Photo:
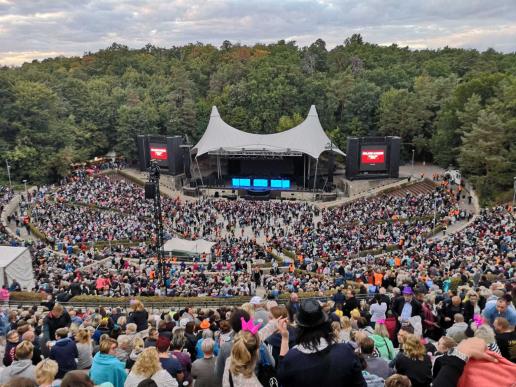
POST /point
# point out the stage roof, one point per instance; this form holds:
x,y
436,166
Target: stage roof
x,y
308,137
16,263
198,246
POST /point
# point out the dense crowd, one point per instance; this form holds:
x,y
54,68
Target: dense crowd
x,y
416,337
401,318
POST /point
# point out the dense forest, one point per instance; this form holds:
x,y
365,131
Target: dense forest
x,y
453,106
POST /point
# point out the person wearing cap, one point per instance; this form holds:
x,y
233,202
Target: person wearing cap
x,y
261,316
406,306
207,333
316,359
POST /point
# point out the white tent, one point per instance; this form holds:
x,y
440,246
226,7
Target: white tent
x,y
16,263
306,138
198,246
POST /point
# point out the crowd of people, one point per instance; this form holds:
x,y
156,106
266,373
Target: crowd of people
x,y
412,315
416,337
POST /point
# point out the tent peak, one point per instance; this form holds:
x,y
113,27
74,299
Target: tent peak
x,y
313,111
214,112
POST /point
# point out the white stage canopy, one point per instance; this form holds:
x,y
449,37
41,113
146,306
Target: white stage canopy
x,y
306,138
198,246
16,263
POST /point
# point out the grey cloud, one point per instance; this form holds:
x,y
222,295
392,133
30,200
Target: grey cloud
x,y
73,27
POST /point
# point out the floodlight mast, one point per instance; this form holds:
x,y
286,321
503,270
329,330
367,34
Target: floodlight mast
x,y
154,176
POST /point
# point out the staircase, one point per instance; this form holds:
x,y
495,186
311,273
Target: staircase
x,y
420,188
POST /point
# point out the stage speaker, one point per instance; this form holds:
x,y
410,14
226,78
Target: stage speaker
x,y
186,162
394,156
331,167
150,190
175,155
142,145
352,158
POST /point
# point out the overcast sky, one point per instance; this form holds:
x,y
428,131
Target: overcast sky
x,y
32,29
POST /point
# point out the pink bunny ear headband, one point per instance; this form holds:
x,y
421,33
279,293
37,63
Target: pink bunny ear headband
x,y
249,326
478,319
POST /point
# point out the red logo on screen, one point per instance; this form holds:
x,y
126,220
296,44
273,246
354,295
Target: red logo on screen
x,y
158,153
373,156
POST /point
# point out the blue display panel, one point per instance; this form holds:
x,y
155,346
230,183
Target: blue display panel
x,y
260,183
275,183
285,184
235,182
245,182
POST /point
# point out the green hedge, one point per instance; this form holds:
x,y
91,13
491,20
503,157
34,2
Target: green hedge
x,y
27,296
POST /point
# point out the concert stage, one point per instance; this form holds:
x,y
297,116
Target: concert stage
x,y
294,164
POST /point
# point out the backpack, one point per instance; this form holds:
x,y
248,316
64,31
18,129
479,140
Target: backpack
x,y
266,371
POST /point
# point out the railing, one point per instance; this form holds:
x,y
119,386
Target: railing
x,y
173,304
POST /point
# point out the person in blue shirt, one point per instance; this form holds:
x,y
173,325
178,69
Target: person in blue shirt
x,y
500,309
106,367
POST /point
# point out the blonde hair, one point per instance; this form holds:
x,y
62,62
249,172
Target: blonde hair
x,y
381,330
137,306
138,343
336,328
244,353
46,371
345,322
413,348
105,345
147,363
24,350
83,336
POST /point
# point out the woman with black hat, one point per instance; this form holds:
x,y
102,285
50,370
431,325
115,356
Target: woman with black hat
x,y
317,359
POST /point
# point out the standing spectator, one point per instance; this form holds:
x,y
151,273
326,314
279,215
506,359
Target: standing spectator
x,y
351,303
293,306
13,339
177,345
377,310
36,353
472,306
84,348
64,352
450,310
46,372
407,306
169,362
4,295
382,342
501,308
106,367
22,366
148,366
261,315
505,338
414,362
203,370
240,366
56,318
139,316
316,360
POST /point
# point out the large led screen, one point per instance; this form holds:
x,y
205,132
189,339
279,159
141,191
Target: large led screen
x,y
373,157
